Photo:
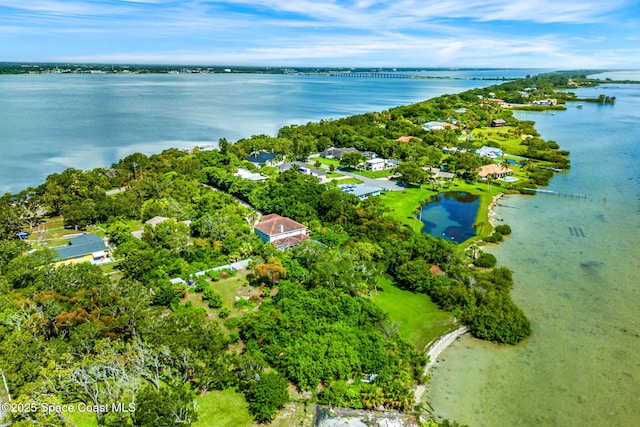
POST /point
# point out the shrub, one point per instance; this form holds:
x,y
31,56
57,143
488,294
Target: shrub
x,y
214,275
214,298
494,238
485,260
503,229
201,285
244,303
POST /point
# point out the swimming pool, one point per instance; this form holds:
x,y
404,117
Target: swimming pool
x,y
509,179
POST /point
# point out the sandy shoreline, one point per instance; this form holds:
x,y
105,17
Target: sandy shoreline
x,y
433,353
490,214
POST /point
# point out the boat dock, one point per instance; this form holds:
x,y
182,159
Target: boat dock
x,y
557,193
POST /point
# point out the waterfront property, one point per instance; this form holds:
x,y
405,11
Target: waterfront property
x,y
493,170
283,232
361,191
83,248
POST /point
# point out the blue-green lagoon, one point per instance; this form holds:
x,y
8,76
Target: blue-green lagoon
x,y
581,366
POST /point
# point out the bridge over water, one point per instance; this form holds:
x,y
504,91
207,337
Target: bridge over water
x,y
373,75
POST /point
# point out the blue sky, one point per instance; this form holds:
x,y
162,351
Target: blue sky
x,y
558,34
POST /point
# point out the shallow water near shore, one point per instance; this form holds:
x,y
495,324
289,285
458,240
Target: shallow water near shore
x,y
576,265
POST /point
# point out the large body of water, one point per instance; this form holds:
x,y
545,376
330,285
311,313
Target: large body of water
x,y
52,122
581,366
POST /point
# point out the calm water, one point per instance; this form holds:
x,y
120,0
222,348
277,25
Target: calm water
x,y
450,215
52,122
581,366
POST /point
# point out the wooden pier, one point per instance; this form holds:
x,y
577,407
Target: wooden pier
x,y
557,193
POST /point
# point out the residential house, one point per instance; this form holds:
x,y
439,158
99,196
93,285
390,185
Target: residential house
x,y
375,165
408,139
490,152
461,110
496,171
433,126
83,248
438,173
304,169
248,175
369,155
361,191
262,157
336,153
283,232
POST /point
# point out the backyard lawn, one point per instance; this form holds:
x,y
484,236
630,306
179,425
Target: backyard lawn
x,y
420,320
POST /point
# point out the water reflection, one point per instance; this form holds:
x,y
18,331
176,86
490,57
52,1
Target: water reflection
x,y
450,215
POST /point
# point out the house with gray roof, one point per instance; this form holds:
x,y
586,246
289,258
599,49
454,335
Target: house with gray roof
x,y
83,248
361,191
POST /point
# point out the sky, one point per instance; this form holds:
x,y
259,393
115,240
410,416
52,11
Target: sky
x,y
557,34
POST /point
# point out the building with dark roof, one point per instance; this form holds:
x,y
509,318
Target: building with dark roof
x,y
83,248
262,158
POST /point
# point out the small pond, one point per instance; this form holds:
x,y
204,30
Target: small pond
x,y
451,215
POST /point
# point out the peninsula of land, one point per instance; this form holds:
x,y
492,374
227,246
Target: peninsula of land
x,y
122,286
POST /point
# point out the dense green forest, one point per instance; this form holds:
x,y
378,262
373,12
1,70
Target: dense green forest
x,y
125,333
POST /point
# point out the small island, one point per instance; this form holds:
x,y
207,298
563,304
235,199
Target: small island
x,y
276,270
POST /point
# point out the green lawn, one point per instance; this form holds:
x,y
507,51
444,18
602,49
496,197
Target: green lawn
x,y
420,320
349,181
334,175
509,142
324,161
373,175
228,290
82,419
404,203
225,408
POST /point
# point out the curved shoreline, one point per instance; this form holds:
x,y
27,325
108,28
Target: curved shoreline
x,y
434,351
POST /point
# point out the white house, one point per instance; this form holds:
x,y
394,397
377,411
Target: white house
x,y
433,126
283,232
490,152
374,165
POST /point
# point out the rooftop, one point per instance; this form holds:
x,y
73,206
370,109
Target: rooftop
x,y
274,224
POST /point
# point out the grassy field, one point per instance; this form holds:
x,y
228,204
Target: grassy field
x,y
504,136
334,175
225,408
349,181
419,319
229,289
373,175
